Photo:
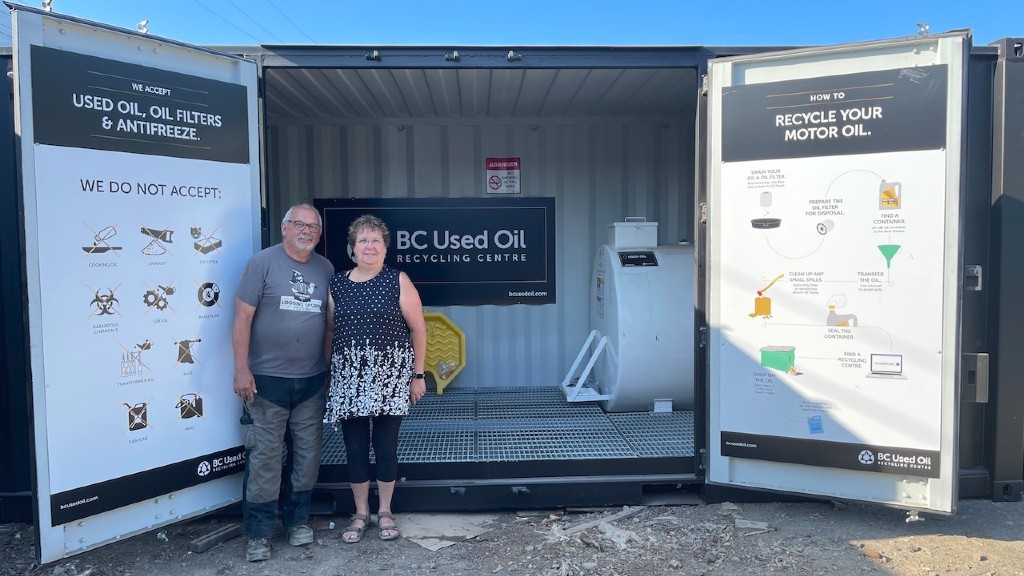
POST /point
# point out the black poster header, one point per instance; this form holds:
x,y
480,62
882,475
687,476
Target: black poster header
x,y
83,101
881,111
458,251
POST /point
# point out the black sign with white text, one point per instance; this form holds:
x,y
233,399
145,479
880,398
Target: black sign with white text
x,y
879,111
637,258
83,101
457,251
845,455
113,494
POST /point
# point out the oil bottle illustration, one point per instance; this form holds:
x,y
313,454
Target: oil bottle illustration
x,y
889,195
838,302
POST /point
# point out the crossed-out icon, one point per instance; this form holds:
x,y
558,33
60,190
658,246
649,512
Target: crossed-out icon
x,y
205,243
131,360
157,298
158,237
104,302
100,239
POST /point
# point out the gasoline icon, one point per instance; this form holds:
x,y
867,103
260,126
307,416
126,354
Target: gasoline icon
x,y
137,416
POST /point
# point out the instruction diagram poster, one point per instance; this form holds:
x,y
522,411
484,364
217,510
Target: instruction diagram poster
x,y
832,244
144,197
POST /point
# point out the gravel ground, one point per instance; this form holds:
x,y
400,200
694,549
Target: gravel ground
x,y
985,538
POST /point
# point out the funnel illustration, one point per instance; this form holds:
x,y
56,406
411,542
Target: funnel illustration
x,y
888,250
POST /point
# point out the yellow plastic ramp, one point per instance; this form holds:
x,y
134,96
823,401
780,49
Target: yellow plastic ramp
x,y
446,349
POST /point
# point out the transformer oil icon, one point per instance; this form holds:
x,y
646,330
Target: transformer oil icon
x,y
131,360
762,303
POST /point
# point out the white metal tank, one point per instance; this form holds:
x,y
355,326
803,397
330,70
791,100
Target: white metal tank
x,y
642,300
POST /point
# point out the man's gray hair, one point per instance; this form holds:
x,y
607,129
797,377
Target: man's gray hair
x,y
288,214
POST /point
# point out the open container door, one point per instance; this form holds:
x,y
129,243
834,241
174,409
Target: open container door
x,y
834,270
140,188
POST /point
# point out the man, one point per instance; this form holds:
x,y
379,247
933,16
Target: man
x,y
278,341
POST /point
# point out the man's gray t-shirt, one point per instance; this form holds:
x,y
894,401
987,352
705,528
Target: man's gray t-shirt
x,y
287,338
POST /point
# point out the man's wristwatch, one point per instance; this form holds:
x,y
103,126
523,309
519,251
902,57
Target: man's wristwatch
x,y
418,375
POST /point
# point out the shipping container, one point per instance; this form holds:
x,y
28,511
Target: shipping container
x,y
734,267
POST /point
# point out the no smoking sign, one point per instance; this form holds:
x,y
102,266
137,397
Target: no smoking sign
x,y
503,176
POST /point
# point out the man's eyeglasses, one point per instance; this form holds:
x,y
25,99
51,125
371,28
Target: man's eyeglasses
x,y
300,226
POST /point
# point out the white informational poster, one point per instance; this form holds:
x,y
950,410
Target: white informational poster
x,y
504,176
834,307
141,207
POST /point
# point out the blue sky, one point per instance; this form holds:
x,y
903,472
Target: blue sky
x,y
550,23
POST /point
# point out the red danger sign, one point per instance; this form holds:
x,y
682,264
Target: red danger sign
x,y
503,176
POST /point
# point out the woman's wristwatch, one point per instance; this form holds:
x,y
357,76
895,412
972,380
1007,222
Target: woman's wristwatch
x,y
418,375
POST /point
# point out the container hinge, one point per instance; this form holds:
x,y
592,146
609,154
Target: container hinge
x,y
974,377
703,213
458,490
520,491
703,336
704,85
703,459
972,277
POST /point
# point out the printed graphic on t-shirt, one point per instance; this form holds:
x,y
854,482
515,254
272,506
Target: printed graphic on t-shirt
x,y
302,295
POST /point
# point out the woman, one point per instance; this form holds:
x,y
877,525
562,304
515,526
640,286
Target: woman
x,y
377,349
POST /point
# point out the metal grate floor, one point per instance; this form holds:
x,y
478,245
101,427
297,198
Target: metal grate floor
x,y
526,424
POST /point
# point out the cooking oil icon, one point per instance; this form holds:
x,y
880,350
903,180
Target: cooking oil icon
x,y
889,195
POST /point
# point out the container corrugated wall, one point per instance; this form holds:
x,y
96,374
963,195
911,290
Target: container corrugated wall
x,y
599,170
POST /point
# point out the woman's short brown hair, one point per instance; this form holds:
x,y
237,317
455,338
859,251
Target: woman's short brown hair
x,y
368,222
